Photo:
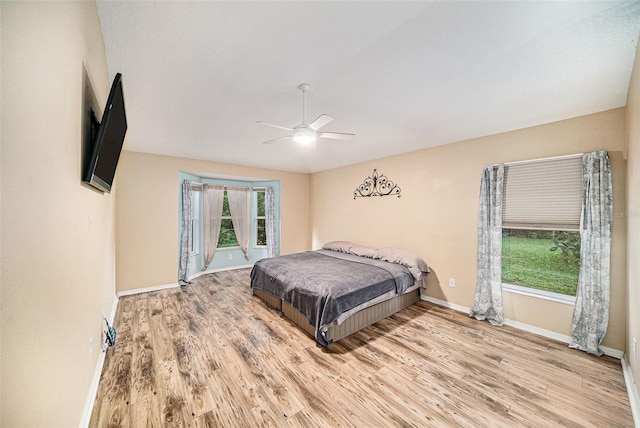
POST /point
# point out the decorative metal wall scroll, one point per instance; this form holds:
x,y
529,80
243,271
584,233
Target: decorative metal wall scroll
x,y
376,185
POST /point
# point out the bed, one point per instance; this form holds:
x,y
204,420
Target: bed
x,y
340,289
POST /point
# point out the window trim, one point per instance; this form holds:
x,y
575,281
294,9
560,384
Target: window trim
x,y
539,294
227,248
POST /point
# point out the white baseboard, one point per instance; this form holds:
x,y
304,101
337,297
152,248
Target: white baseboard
x,y
446,304
97,372
147,289
615,353
632,390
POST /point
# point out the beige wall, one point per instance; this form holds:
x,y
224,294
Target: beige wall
x,y
147,213
436,216
57,276
633,220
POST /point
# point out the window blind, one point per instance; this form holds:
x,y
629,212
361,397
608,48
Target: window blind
x,y
544,194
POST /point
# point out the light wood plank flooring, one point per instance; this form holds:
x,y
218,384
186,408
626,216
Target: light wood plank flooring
x,y
211,354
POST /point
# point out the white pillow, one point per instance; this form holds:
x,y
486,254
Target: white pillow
x,y
342,246
364,251
406,258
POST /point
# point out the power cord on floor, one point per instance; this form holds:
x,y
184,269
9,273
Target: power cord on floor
x,y
109,335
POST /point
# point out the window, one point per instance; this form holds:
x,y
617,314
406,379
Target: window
x,y
212,200
542,204
543,260
227,234
195,226
261,228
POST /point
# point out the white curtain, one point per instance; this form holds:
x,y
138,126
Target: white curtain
x,y
591,312
487,304
186,235
213,200
240,216
271,222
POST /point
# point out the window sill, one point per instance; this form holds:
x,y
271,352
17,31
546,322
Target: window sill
x,y
540,294
227,248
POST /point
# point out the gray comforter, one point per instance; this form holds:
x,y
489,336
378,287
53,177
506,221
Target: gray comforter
x,y
323,284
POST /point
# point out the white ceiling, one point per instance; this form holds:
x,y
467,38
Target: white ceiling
x,y
402,76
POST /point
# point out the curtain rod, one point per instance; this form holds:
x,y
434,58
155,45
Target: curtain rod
x,y
540,159
198,185
226,186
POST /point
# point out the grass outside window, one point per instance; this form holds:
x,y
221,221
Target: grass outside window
x,y
543,260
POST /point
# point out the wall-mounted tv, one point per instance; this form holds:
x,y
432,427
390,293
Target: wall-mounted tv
x,y
109,137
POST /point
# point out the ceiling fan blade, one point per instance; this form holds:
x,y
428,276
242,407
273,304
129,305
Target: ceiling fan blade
x,y
274,126
336,135
320,121
277,139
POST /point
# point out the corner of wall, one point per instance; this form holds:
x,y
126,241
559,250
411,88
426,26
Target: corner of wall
x,y
1,138
632,215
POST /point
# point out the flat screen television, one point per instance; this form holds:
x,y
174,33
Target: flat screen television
x,y
109,137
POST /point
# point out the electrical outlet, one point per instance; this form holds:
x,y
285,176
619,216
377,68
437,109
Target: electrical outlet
x,y
452,282
90,346
635,348
89,222
230,256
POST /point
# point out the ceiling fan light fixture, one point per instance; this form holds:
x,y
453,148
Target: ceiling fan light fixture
x,y
304,136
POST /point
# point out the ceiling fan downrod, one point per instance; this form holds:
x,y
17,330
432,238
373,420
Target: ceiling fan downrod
x,y
304,87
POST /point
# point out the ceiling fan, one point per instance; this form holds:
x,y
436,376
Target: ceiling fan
x,y
308,133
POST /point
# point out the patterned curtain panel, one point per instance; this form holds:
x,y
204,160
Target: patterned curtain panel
x,y
271,222
591,313
213,200
240,216
487,304
186,237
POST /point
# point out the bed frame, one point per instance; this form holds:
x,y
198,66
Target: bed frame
x,y
355,322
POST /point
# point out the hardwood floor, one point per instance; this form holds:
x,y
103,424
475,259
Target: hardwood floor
x,y
211,354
